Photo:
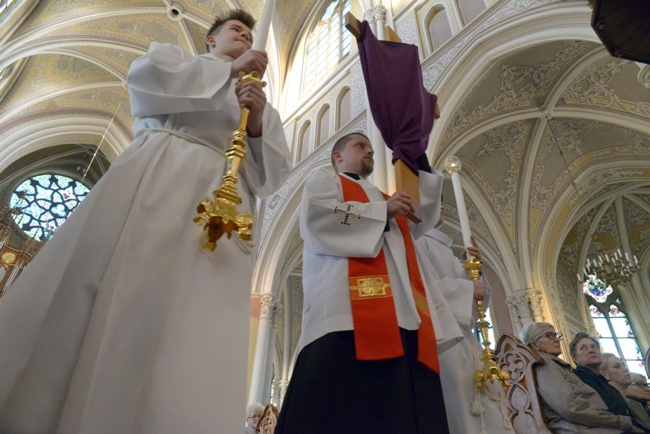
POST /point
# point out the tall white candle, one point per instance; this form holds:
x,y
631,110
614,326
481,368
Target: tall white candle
x,y
452,164
263,25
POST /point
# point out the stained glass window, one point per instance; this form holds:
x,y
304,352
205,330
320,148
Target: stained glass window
x,y
45,201
327,44
615,332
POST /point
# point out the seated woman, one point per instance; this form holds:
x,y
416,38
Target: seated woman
x,y
585,352
619,376
569,405
639,391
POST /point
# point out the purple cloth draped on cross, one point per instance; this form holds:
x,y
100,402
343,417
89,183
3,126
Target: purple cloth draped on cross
x,y
402,108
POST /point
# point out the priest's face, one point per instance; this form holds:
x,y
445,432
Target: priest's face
x,y
232,40
356,157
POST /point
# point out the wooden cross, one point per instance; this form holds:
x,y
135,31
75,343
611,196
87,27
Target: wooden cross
x,y
405,179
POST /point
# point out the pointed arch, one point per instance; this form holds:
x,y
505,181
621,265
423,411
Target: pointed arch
x,y
438,27
344,108
470,9
304,141
323,132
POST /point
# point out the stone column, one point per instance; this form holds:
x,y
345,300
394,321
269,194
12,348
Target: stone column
x,y
381,176
267,322
279,391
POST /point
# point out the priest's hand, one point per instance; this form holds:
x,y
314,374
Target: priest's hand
x,y
399,204
252,96
251,60
479,289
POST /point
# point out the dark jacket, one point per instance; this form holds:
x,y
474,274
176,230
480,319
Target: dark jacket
x,y
615,402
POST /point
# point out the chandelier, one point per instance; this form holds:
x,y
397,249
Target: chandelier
x,y
615,267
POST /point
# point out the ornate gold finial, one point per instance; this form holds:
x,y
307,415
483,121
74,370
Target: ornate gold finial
x,y
491,370
220,216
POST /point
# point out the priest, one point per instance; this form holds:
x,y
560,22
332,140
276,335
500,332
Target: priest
x,y
373,319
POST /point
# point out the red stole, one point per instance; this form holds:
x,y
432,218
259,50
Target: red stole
x,y
376,331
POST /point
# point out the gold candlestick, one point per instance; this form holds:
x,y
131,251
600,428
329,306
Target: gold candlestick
x,y
220,216
490,369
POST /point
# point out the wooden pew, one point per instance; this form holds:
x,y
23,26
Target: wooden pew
x,y
524,405
268,421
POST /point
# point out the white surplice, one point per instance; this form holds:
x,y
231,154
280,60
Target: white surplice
x,y
329,243
123,323
457,365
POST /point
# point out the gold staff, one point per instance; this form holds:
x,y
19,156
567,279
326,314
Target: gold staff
x,y
220,216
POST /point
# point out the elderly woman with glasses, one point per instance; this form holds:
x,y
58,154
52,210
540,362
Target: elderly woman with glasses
x,y
569,405
639,391
253,414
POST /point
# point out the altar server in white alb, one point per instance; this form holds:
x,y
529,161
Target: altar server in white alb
x,y
123,323
469,410
372,316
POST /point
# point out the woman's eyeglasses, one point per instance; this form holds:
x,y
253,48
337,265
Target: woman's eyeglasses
x,y
553,336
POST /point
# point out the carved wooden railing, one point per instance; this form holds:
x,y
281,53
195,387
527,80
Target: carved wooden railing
x,y
268,421
523,402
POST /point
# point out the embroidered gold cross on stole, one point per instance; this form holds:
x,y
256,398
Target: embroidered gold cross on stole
x,y
371,287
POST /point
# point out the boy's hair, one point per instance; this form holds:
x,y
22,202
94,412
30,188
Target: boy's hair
x,y
341,144
234,14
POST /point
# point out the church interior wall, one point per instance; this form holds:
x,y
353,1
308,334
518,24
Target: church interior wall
x,y
531,262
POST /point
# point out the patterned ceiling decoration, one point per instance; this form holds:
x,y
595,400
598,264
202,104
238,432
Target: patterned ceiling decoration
x,y
543,127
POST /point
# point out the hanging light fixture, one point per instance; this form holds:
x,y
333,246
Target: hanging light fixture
x,y
615,268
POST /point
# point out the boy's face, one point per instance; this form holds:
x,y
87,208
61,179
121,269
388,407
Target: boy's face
x,y
232,40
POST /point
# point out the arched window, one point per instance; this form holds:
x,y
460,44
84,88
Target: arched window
x,y
343,111
44,202
439,29
324,125
327,44
615,332
470,9
305,141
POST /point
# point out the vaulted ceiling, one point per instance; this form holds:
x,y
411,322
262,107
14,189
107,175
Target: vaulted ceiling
x,y
65,62
553,134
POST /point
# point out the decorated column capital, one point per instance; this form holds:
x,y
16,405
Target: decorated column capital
x,y
266,305
270,309
279,391
526,306
379,13
375,14
535,302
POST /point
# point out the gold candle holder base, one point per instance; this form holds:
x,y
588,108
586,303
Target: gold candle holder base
x,y
220,216
491,371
